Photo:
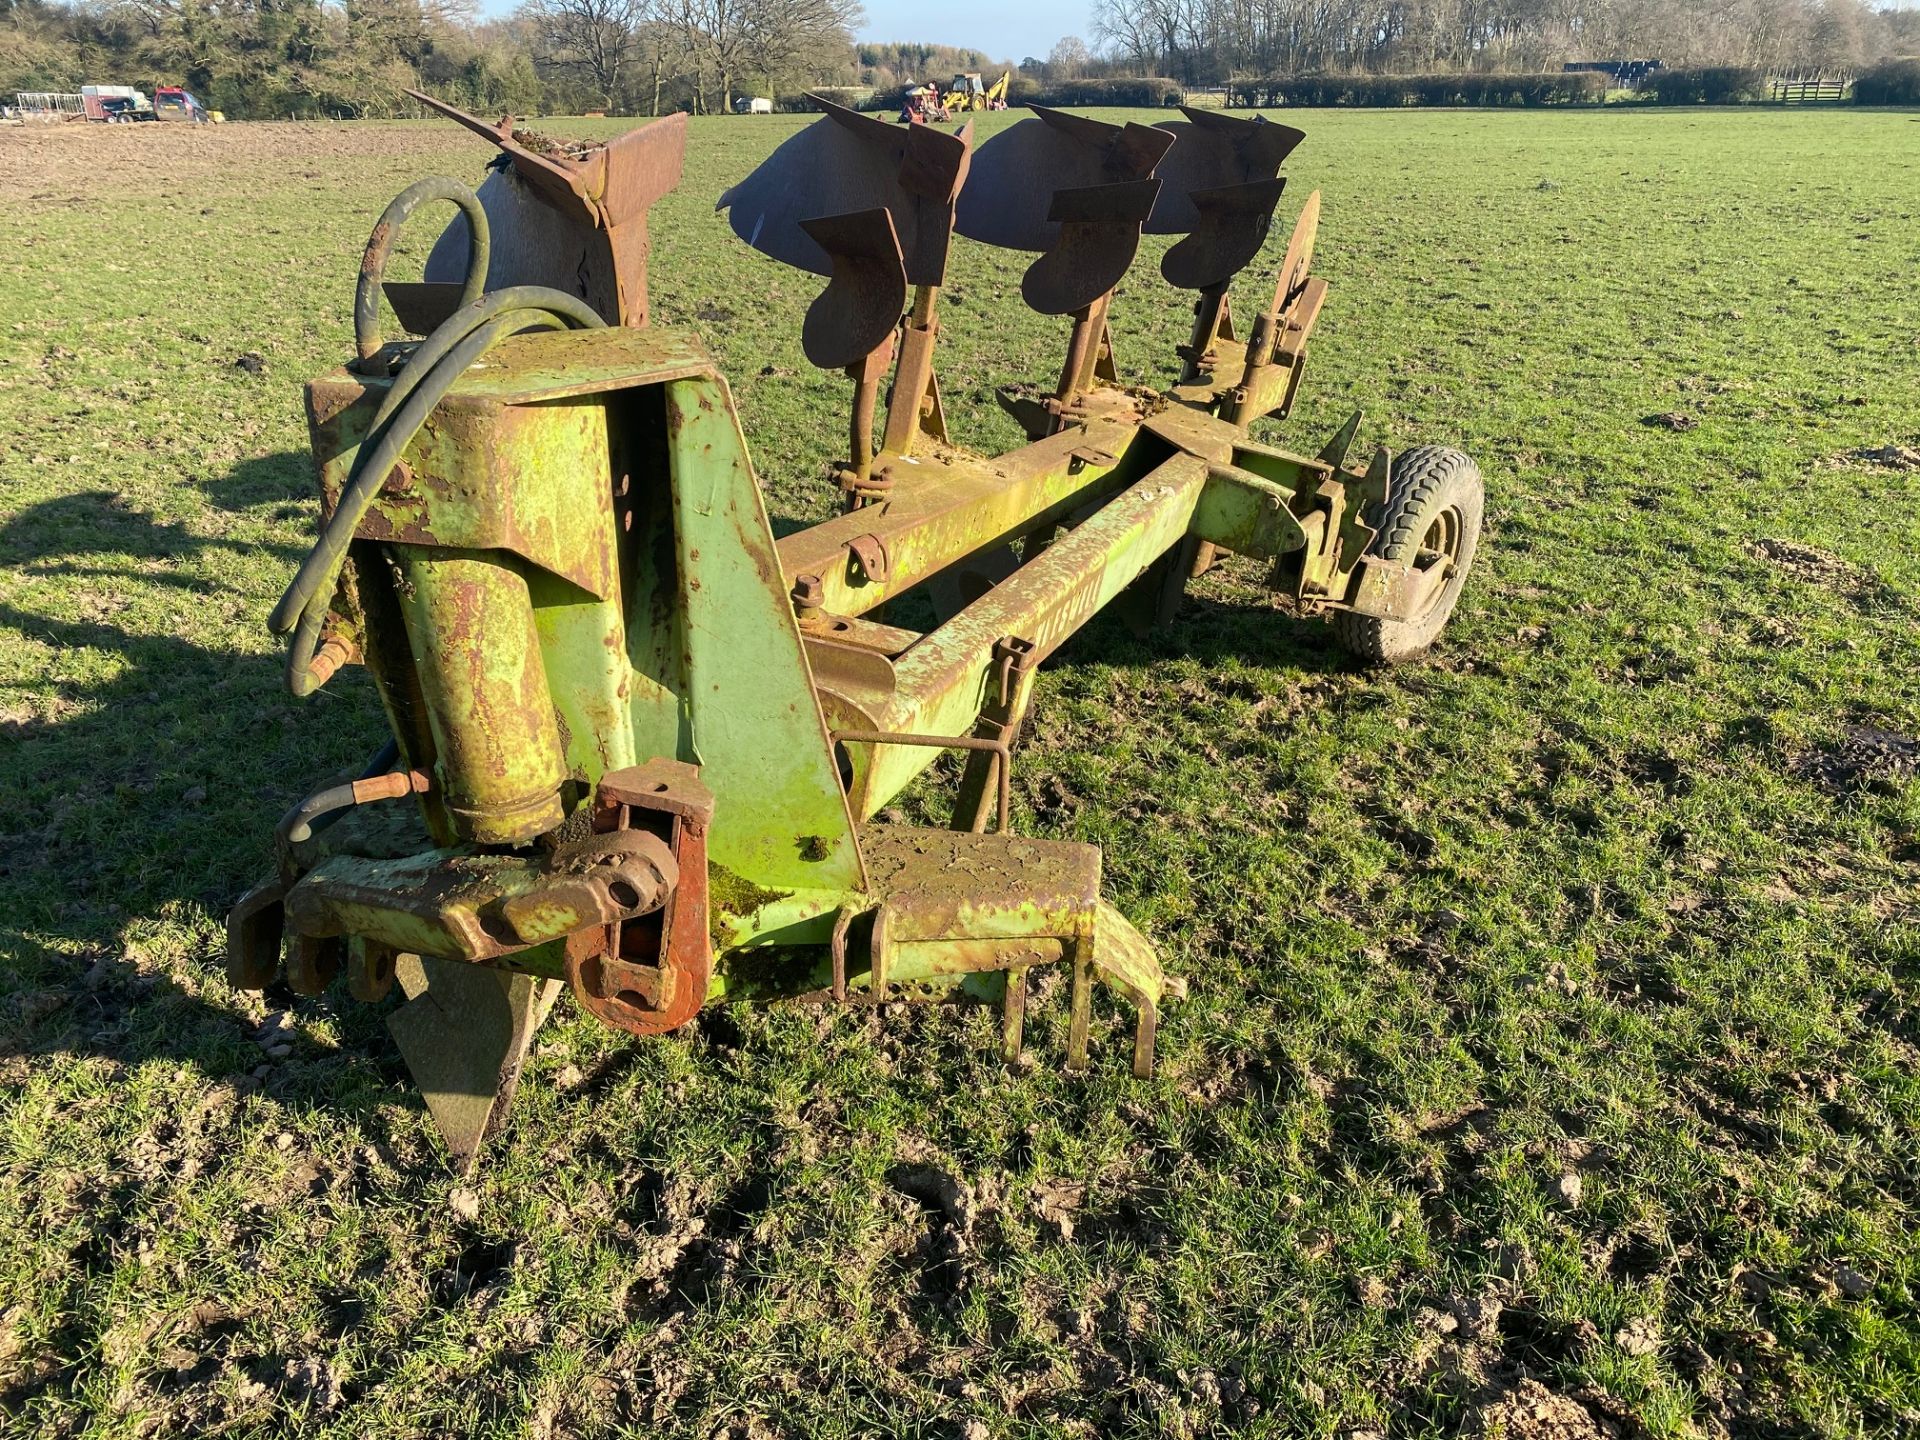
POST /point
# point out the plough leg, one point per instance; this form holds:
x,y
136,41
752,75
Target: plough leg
x,y
464,1033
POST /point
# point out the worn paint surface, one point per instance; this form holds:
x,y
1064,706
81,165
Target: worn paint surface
x,y
941,681
663,625
945,507
476,650
758,734
696,612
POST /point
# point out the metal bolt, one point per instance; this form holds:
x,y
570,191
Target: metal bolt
x,y
808,593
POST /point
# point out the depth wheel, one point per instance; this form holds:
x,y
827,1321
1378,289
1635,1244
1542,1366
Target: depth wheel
x,y
1430,522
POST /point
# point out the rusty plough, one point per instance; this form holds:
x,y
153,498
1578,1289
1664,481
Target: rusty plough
x,y
640,742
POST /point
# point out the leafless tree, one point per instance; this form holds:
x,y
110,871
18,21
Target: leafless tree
x,y
1069,58
732,39
712,34
595,39
1198,41
785,34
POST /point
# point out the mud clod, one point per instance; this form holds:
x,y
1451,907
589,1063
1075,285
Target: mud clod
x,y
1530,1411
1055,1201
1888,457
1865,757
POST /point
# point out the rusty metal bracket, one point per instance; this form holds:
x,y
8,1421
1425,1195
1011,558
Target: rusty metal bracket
x,y
370,969
999,749
870,551
649,974
857,480
1212,322
599,883
254,927
314,961
860,491
1278,340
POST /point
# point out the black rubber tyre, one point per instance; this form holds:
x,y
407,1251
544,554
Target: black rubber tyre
x,y
1435,499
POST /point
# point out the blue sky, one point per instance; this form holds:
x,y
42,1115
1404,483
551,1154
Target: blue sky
x,y
1011,31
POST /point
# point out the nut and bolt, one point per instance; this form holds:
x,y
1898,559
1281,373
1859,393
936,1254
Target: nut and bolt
x,y
808,595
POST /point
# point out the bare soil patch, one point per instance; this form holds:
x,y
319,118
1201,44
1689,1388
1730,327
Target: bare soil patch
x,y
1531,1411
1888,457
1864,757
1806,562
76,162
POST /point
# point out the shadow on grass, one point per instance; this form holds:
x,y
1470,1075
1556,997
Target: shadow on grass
x,y
145,755
144,788
284,480
1210,630
67,535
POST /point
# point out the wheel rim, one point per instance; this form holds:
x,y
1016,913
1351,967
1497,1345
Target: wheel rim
x,y
1437,558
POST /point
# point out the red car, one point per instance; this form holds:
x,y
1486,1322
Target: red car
x,y
170,102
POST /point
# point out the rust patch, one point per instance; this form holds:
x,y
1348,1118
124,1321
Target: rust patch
x,y
374,259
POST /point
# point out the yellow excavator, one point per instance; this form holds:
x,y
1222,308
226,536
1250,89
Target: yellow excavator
x,y
969,93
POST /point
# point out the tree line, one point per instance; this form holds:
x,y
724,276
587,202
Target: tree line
x,y
351,58
708,51
1213,42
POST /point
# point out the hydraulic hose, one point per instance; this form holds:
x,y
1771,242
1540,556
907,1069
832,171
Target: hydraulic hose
x,y
373,265
330,803
324,806
442,358
462,323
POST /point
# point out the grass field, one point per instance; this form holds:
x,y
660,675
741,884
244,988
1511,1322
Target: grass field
x,y
1552,1062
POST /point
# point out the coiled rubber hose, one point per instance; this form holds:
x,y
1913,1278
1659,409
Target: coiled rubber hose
x,y
386,230
441,359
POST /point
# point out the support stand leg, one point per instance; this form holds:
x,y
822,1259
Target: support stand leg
x,y
1014,1015
1082,1007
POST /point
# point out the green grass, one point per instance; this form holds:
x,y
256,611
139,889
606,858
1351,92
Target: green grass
x,y
1579,896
